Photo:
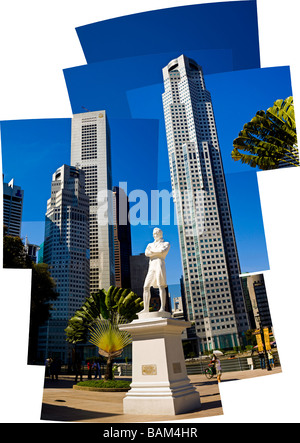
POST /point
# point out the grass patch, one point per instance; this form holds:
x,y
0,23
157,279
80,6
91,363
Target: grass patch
x,y
105,384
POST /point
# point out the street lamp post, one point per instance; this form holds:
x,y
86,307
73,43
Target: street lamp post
x,y
261,331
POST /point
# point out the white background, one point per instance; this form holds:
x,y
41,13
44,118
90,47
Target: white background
x,y
37,41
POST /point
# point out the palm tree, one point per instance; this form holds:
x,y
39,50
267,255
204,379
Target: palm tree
x,y
106,335
98,319
270,138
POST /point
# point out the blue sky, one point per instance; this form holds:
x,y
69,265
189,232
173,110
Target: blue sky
x,y
203,27
236,97
139,150
124,76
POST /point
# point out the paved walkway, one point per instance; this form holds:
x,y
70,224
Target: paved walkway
x,y
63,403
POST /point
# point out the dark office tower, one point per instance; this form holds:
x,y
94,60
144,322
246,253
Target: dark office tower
x,y
255,286
248,302
139,265
183,298
122,238
12,208
212,287
66,252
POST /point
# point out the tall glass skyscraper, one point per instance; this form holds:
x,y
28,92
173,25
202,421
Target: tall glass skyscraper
x,y
90,151
212,286
66,252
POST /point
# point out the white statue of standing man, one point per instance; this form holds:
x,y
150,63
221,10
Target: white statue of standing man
x,y
156,276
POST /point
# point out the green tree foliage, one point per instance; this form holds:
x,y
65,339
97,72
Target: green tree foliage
x,y
14,255
98,320
42,293
42,287
269,140
107,305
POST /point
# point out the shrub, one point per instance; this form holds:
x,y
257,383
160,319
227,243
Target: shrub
x,y
105,383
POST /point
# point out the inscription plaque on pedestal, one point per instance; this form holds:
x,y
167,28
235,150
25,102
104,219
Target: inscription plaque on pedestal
x,y
177,368
149,370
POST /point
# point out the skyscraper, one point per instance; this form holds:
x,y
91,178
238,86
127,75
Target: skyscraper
x,y
255,285
12,208
122,239
31,250
90,151
66,252
212,287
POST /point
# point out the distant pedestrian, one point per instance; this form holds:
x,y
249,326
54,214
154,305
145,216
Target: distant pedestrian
x,y
78,370
78,367
212,364
213,359
262,360
55,367
97,369
89,366
47,366
218,369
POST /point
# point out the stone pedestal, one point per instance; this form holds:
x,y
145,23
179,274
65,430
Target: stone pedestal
x,y
160,385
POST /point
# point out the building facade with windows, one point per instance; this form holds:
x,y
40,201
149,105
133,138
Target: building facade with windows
x,y
212,287
255,286
122,238
90,151
66,251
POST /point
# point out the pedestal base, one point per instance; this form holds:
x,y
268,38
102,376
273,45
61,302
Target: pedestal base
x,y
157,400
160,385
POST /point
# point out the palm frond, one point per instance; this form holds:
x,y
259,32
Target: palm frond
x,y
107,336
269,140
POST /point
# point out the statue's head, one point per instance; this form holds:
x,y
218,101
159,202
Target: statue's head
x,y
157,233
